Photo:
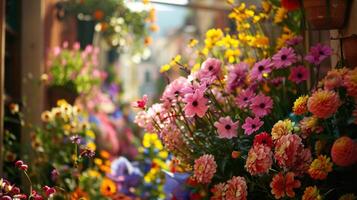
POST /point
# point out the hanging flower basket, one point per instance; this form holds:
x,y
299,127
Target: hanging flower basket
x,y
350,50
326,14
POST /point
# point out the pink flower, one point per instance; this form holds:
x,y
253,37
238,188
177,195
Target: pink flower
x,y
204,168
318,53
218,191
195,104
251,125
299,74
285,57
141,103
261,105
294,41
236,188
211,68
260,68
259,159
244,98
226,128
237,75
175,90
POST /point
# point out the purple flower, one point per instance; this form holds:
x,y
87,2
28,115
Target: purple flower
x,y
237,75
260,68
318,53
284,58
294,41
75,139
54,174
174,186
244,98
87,153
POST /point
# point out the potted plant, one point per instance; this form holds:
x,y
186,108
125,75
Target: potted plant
x,y
326,14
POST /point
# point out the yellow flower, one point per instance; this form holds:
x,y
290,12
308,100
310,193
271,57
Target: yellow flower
x,y
212,37
311,193
230,2
192,43
196,67
281,128
46,116
165,68
93,173
91,146
62,102
108,187
266,6
320,167
163,154
280,15
231,55
90,133
98,161
300,105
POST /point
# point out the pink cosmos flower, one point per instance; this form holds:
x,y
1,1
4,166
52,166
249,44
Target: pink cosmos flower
x,y
237,75
318,53
211,68
141,103
204,168
284,58
195,104
175,90
236,188
294,41
251,125
299,74
226,128
261,105
259,159
244,98
260,68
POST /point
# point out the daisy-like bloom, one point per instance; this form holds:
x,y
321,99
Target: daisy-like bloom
x,y
211,68
108,187
237,75
294,41
226,128
281,128
260,69
261,105
284,58
311,193
300,105
349,196
175,90
46,116
218,191
344,151
350,82
195,104
332,80
204,168
244,98
299,74
284,185
320,167
310,125
259,159
323,103
263,138
318,53
251,125
236,188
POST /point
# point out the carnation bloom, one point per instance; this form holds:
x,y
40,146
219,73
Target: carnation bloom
x,y
311,193
204,168
218,191
263,138
280,128
344,152
323,103
226,128
251,125
284,185
332,80
195,104
320,167
318,53
260,68
300,105
236,188
284,58
237,75
299,74
244,98
310,125
261,105
211,68
259,159
350,82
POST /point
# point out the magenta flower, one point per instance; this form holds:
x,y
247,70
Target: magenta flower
x,y
237,75
244,98
195,104
175,90
284,58
260,68
211,68
294,41
226,128
251,125
261,105
318,53
299,74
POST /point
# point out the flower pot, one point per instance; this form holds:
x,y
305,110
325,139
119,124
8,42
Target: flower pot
x,y
350,50
326,14
55,93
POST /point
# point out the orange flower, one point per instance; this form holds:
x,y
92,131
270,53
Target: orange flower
x,y
98,15
108,187
323,103
300,105
104,154
79,194
320,167
311,193
344,151
284,185
350,82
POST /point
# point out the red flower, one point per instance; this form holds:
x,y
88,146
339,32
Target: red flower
x,y
263,138
290,4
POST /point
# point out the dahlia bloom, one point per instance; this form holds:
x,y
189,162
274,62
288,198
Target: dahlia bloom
x,y
350,82
251,125
260,68
218,191
333,80
310,125
285,57
236,189
263,138
195,104
226,128
237,75
204,168
261,105
284,185
323,103
281,128
299,74
320,167
244,98
318,53
311,193
344,151
300,105
259,159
